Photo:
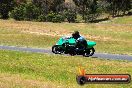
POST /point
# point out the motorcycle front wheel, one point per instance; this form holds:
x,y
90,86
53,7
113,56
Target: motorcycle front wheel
x,y
56,49
89,52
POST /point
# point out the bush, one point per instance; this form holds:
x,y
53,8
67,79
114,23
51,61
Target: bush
x,y
25,12
93,12
58,18
50,16
41,18
31,12
18,12
70,16
90,17
5,7
54,17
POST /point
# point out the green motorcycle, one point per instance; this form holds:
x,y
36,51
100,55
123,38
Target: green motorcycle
x,y
68,46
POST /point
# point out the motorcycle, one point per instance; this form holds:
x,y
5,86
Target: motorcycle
x,y
67,45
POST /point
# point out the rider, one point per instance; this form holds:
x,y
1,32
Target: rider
x,y
80,40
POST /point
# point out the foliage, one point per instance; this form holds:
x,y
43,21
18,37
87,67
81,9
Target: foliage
x,y
54,17
18,12
89,9
70,15
50,16
58,18
41,18
40,10
31,12
82,4
25,12
119,7
48,5
5,7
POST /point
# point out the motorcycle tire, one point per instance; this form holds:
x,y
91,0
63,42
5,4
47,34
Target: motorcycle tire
x,y
89,52
56,49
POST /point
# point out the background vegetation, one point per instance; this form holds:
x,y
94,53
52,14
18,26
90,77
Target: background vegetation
x,y
64,10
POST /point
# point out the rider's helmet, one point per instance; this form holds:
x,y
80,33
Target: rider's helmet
x,y
76,35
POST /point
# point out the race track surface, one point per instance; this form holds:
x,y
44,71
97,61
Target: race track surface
x,y
38,50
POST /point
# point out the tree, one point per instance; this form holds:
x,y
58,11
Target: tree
x,y
70,15
126,5
5,7
83,4
93,11
56,4
25,11
43,5
89,9
48,5
118,6
20,1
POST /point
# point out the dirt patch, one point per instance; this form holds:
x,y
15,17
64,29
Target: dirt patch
x,y
11,81
89,37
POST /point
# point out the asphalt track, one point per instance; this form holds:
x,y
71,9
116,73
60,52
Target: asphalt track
x,y
40,50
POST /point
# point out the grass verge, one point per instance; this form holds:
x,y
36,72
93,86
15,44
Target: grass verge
x,y
19,69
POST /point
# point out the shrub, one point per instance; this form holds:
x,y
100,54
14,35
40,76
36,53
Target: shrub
x,y
25,12
50,16
58,18
41,18
31,12
5,7
93,12
54,17
18,12
90,17
70,16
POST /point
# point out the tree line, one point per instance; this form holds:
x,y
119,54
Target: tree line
x,y
63,10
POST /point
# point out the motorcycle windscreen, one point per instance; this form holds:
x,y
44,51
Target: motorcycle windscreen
x,y
60,41
91,44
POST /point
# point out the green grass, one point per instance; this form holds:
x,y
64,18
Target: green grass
x,y
26,40
19,69
123,20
